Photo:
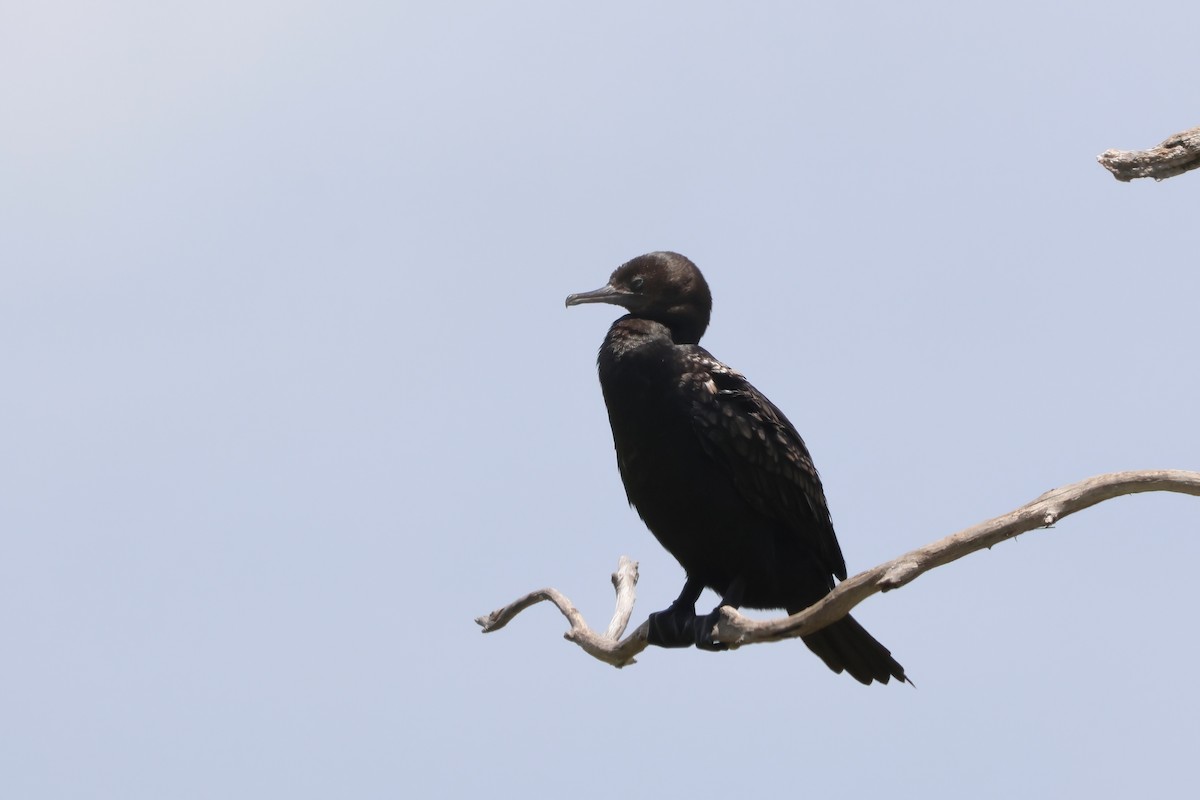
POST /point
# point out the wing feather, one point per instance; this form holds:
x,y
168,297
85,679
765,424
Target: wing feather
x,y
764,455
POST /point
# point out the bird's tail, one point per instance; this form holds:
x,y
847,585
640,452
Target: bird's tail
x,y
846,645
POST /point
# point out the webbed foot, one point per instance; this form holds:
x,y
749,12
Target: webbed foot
x,y
704,631
675,627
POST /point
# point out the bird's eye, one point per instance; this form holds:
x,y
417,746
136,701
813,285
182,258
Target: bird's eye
x,y
636,283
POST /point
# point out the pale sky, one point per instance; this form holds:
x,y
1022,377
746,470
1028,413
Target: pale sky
x,y
290,395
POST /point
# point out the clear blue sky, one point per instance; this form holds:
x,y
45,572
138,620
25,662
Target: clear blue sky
x,y
290,396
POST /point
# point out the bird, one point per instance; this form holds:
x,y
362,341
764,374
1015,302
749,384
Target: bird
x,y
716,471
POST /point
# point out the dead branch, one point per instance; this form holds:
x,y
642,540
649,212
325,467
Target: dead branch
x,y
601,646
737,630
1175,156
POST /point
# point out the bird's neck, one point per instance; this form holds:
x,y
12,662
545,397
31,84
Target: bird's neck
x,y
637,339
640,365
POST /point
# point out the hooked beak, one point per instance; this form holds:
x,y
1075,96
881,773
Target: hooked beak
x,y
605,294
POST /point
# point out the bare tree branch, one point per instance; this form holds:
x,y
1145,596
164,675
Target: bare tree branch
x,y
603,646
737,630
1175,156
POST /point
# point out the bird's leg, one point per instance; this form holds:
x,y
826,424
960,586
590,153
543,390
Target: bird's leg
x,y
704,625
675,627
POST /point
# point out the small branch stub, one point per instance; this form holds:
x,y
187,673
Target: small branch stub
x,y
624,582
1175,156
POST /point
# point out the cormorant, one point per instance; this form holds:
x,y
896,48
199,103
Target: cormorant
x,y
716,471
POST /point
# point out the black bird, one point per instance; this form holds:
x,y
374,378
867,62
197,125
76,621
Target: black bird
x,y
716,471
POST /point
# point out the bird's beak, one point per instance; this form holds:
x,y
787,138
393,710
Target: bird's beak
x,y
605,294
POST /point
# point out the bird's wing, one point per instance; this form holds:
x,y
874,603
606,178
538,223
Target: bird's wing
x,y
764,455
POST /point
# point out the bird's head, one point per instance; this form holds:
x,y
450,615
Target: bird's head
x,y
665,287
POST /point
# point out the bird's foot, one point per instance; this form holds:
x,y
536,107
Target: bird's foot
x,y
675,627
704,631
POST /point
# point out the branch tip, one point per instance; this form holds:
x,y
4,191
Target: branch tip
x,y
1173,156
